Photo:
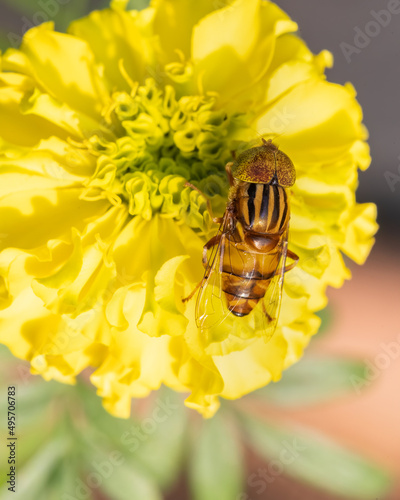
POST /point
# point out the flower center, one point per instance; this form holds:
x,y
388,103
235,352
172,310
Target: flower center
x,y
159,143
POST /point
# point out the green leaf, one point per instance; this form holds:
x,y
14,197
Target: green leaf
x,y
32,13
138,4
316,460
156,442
63,482
75,10
313,380
161,446
25,7
37,392
35,475
31,438
216,462
128,483
131,4
103,422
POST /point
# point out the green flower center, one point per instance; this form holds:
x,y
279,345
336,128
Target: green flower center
x,y
159,143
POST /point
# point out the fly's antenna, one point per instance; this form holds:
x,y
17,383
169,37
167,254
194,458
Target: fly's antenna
x,y
272,139
268,138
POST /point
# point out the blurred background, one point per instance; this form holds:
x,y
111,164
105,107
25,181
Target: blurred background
x,y
343,396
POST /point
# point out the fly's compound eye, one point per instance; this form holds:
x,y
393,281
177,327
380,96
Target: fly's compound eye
x,y
285,170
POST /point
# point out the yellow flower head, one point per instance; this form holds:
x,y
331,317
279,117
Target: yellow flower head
x,y
100,129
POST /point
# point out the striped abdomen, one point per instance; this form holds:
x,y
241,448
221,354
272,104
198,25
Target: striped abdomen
x,y
262,208
251,253
246,272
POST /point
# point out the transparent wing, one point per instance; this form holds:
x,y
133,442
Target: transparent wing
x,y
266,313
209,305
212,307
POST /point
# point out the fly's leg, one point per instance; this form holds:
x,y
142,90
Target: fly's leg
x,y
211,243
228,170
292,256
186,299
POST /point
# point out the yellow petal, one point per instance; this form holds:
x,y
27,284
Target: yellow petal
x,y
321,122
137,363
360,231
139,235
241,46
29,219
247,370
17,128
298,336
293,63
51,158
174,21
162,311
75,123
65,67
26,326
79,284
114,35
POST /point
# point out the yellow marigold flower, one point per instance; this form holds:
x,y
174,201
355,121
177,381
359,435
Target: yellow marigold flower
x,y
100,128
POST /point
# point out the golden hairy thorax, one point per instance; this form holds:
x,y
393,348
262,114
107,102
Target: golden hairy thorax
x,y
262,208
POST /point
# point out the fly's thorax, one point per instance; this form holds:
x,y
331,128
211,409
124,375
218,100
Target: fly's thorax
x,y
264,163
262,208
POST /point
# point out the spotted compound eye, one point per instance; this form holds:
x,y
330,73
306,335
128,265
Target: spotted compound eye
x,y
285,170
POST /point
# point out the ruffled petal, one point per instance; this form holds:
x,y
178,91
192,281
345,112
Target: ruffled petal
x,y
322,122
174,21
292,63
19,128
29,218
241,48
65,67
249,369
361,227
120,48
137,363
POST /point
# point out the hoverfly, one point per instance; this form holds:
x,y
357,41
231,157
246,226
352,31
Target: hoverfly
x,y
245,270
